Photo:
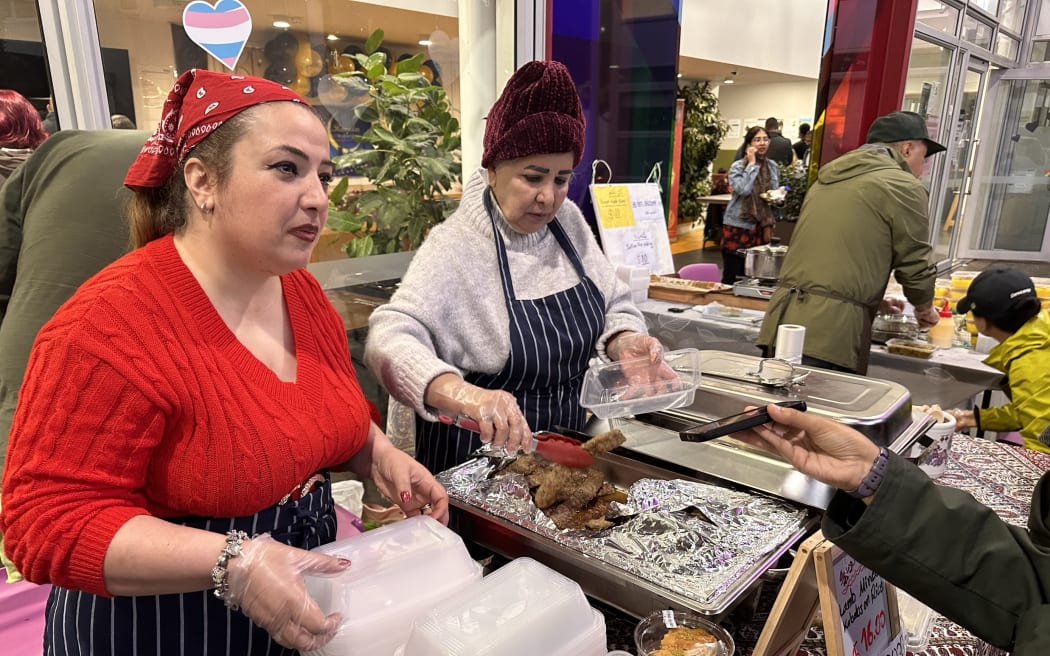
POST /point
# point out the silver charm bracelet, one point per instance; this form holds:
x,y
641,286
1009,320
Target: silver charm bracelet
x,y
220,575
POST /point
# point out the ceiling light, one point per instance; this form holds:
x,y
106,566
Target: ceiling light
x,y
332,37
424,42
679,75
730,78
282,24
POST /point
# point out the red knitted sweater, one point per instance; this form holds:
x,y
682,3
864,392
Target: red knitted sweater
x,y
138,399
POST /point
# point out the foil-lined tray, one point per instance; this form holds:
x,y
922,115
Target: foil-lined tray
x,y
699,541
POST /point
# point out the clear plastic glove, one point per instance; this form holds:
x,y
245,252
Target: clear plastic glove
x,y
645,373
399,476
497,413
927,316
891,305
266,581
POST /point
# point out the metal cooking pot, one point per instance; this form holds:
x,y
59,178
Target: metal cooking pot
x,y
765,261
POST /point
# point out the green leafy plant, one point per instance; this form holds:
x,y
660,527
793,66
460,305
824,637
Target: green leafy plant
x,y
702,133
413,159
796,179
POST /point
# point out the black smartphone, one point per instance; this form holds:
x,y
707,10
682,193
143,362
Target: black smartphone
x,y
734,423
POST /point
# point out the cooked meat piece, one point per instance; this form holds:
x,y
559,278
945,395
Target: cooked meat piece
x,y
526,464
605,442
592,517
582,487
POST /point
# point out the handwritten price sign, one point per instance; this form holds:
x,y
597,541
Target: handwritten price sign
x,y
863,607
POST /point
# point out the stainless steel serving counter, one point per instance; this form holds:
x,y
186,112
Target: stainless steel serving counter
x,y
948,383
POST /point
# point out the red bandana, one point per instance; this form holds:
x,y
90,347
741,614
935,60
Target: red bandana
x,y
199,102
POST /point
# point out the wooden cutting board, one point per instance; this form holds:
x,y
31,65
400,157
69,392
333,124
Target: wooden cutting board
x,y
697,292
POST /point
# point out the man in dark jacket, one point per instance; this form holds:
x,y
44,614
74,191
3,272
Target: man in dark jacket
x,y
780,150
935,542
865,217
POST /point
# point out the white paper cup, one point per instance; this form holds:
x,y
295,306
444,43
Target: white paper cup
x,y
933,459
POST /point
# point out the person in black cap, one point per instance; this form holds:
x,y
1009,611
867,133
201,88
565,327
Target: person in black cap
x,y
1005,307
864,218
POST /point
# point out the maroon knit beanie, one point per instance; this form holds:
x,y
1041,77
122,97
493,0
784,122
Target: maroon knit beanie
x,y
538,113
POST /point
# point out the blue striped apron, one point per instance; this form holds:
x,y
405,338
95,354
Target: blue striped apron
x,y
552,340
193,623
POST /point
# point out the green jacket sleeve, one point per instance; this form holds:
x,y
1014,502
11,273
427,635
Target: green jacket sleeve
x,y
953,554
10,235
911,245
1027,409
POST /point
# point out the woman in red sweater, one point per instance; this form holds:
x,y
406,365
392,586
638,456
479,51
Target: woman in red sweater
x,y
168,462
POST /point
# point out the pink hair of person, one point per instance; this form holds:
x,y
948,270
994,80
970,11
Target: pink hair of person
x,y
20,125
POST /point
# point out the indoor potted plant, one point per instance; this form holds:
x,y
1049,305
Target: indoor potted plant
x,y
409,152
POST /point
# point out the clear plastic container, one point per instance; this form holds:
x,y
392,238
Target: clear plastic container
x,y
917,619
676,626
629,387
913,348
397,572
522,609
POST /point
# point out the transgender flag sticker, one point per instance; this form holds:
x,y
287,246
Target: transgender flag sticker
x,y
221,29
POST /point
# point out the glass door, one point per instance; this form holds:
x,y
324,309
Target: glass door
x,y
1009,200
963,145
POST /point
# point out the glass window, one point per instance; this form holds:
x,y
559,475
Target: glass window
x,y
939,16
296,43
924,93
1014,194
1007,46
1040,51
23,64
990,6
1011,15
977,32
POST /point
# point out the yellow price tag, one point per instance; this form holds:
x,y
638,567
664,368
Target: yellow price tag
x,y
614,206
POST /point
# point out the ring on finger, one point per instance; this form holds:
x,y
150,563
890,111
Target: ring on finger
x,y
486,417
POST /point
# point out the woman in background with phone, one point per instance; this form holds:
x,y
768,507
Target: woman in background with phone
x,y
935,542
748,219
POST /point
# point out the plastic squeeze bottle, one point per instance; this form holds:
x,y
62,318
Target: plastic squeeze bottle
x,y
941,334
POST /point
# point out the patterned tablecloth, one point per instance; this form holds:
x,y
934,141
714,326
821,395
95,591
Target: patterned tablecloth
x,y
996,474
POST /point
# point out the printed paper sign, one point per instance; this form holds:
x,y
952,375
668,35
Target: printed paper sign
x,y
632,225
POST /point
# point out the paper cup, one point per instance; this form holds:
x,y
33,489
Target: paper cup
x,y
933,458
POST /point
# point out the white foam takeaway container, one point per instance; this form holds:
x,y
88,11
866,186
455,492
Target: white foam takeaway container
x,y
396,572
522,609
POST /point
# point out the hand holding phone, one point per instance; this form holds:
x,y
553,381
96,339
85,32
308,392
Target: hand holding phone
x,y
735,423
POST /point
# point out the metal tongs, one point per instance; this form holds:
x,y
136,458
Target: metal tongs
x,y
553,446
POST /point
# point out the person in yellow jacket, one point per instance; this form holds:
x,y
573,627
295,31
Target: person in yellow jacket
x,y
1005,307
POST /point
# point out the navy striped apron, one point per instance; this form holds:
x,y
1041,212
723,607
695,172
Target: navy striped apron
x,y
552,340
193,623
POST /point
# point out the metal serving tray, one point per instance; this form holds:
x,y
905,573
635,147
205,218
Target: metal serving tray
x,y
628,592
878,408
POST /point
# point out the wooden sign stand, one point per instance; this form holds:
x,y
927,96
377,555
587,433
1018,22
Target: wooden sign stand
x,y
859,608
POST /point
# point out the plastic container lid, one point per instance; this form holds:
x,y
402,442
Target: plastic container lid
x,y
522,609
676,626
397,572
634,386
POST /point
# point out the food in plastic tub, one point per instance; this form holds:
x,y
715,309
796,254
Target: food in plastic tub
x,y
670,633
913,348
634,386
962,279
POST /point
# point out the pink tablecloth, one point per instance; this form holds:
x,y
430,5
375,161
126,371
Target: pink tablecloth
x,y
22,604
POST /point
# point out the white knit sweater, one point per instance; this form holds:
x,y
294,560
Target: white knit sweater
x,y
449,314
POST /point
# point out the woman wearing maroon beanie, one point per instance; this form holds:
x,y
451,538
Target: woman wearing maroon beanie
x,y
508,300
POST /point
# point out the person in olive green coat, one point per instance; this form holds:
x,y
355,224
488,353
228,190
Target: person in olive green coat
x,y
59,225
935,542
1005,307
865,217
